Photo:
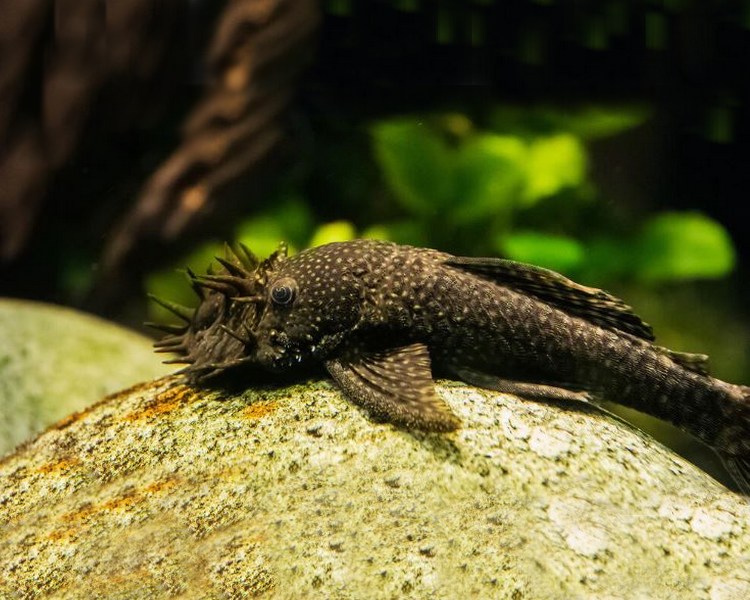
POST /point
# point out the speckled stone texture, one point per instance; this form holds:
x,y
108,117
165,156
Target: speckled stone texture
x,y
167,491
54,360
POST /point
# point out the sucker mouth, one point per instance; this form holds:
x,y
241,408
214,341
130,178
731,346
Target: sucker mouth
x,y
280,344
283,352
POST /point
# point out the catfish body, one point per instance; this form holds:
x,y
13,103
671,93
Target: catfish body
x,y
382,317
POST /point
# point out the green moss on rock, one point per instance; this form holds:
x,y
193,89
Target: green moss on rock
x,y
54,360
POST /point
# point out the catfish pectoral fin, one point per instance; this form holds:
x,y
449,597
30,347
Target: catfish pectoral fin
x,y
394,384
531,391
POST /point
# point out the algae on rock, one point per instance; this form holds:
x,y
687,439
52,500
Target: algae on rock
x,y
166,491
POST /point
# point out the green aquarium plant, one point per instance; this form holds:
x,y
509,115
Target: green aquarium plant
x,y
517,186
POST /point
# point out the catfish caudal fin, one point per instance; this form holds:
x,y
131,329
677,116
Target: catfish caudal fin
x,y
733,443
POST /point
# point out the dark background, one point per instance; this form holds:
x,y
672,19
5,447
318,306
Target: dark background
x,y
363,60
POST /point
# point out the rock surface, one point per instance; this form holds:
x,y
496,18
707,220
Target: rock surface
x,y
55,360
168,491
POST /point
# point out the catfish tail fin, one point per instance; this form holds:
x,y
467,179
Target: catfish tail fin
x,y
733,443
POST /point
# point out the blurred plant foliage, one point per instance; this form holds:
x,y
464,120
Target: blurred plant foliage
x,y
517,186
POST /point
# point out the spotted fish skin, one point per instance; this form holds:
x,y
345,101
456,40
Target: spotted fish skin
x,y
383,317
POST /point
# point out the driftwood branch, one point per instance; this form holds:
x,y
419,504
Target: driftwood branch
x,y
164,490
257,53
62,61
56,58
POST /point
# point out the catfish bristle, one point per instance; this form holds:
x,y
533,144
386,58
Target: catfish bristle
x,y
233,363
175,350
194,284
178,361
167,328
241,284
183,312
209,370
168,341
277,257
256,299
235,259
223,288
232,268
248,259
170,346
229,279
245,340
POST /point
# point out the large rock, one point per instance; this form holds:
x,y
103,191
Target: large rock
x,y
55,360
168,491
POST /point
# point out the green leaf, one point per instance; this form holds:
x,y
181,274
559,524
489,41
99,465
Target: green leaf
x,y
607,259
377,232
586,122
557,252
594,122
290,221
490,176
336,231
677,246
294,218
417,163
554,163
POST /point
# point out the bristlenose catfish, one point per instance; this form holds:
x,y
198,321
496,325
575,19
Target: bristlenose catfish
x,y
381,317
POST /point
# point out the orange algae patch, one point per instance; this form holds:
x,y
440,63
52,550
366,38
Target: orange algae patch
x,y
159,486
59,466
121,502
124,501
72,418
163,403
62,534
77,416
258,410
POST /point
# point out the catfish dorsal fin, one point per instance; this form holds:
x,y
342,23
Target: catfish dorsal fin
x,y
592,304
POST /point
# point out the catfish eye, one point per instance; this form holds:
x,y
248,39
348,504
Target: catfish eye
x,y
283,291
